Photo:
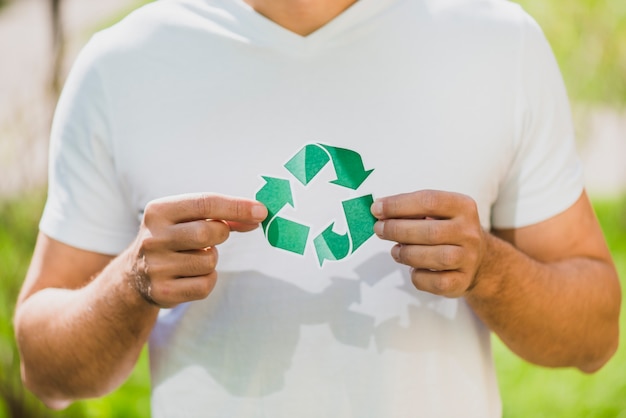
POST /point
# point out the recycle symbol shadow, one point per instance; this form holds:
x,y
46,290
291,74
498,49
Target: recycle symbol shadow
x,y
292,236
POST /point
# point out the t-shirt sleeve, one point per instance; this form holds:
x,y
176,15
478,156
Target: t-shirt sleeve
x,y
86,207
545,176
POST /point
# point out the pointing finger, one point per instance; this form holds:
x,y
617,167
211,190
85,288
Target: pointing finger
x,y
191,207
418,231
197,234
421,204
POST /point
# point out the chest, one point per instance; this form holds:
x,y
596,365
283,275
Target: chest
x,y
220,124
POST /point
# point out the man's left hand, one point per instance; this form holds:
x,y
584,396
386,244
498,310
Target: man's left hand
x,y
438,234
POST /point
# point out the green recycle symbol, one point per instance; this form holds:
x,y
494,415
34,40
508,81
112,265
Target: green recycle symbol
x,y
304,166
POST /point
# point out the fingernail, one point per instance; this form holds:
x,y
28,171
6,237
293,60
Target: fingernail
x,y
395,252
379,228
259,212
377,208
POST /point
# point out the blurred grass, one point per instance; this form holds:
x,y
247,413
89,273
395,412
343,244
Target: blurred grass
x,y
589,40
111,20
18,228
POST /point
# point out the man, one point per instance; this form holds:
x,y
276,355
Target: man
x,y
459,109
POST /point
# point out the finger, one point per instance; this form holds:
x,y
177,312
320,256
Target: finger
x,y
173,292
422,204
173,265
195,263
196,235
452,284
191,207
242,227
437,257
418,231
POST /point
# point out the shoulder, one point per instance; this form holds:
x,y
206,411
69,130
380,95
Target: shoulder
x,y
162,25
490,35
138,29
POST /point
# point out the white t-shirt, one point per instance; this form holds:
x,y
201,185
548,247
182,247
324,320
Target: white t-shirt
x,y
208,95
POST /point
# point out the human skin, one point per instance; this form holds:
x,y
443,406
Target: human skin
x,y
105,307
548,290
302,17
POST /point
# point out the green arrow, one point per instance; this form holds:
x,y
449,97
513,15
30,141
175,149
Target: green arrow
x,y
275,194
288,235
348,166
360,219
304,166
307,163
330,245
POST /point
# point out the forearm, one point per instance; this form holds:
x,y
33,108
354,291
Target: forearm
x,y
562,313
82,343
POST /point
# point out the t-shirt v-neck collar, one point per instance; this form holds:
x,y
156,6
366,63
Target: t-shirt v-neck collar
x,y
274,35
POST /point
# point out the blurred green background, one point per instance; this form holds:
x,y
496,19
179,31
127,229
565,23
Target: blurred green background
x,y
589,40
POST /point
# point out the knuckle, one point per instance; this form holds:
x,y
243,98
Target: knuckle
x,y
411,231
240,209
215,255
204,288
445,284
202,262
212,256
203,204
429,200
157,270
468,235
156,294
408,254
221,232
202,234
434,233
451,256
206,262
199,290
392,207
469,202
211,232
150,244
468,205
188,294
475,236
416,279
159,293
152,212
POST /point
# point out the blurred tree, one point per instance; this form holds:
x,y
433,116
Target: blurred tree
x,y
58,45
589,41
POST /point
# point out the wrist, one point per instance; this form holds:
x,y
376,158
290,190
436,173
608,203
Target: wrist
x,y
138,279
125,286
491,272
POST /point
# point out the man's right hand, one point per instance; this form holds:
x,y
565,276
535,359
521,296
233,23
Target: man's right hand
x,y
100,323
174,257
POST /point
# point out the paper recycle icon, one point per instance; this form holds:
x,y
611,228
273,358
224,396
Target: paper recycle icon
x,y
292,236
